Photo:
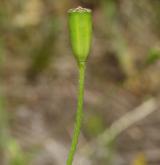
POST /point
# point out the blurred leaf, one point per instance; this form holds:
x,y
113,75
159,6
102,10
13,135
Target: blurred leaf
x,y
1,53
110,10
94,125
115,33
153,56
43,53
16,155
3,113
140,160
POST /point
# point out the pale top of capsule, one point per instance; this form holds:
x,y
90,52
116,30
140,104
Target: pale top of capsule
x,y
80,10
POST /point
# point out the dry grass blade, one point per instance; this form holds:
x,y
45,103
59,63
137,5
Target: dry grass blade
x,y
120,125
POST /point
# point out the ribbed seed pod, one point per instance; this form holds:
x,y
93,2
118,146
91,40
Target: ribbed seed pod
x,y
80,29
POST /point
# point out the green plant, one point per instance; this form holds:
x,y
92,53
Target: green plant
x,y
10,150
42,53
80,28
153,56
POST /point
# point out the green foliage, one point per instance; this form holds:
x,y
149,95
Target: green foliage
x,y
110,11
114,32
42,54
3,124
7,144
140,159
94,125
1,54
153,56
3,113
16,156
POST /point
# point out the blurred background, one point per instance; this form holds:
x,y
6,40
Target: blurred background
x,y
39,83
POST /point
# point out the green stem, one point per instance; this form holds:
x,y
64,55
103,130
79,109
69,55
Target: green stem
x,y
79,114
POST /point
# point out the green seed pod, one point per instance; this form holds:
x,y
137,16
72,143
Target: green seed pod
x,y
80,29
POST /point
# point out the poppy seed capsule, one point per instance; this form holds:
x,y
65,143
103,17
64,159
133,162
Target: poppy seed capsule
x,y
80,29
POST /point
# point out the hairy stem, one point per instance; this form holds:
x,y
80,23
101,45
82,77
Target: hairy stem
x,y
79,114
